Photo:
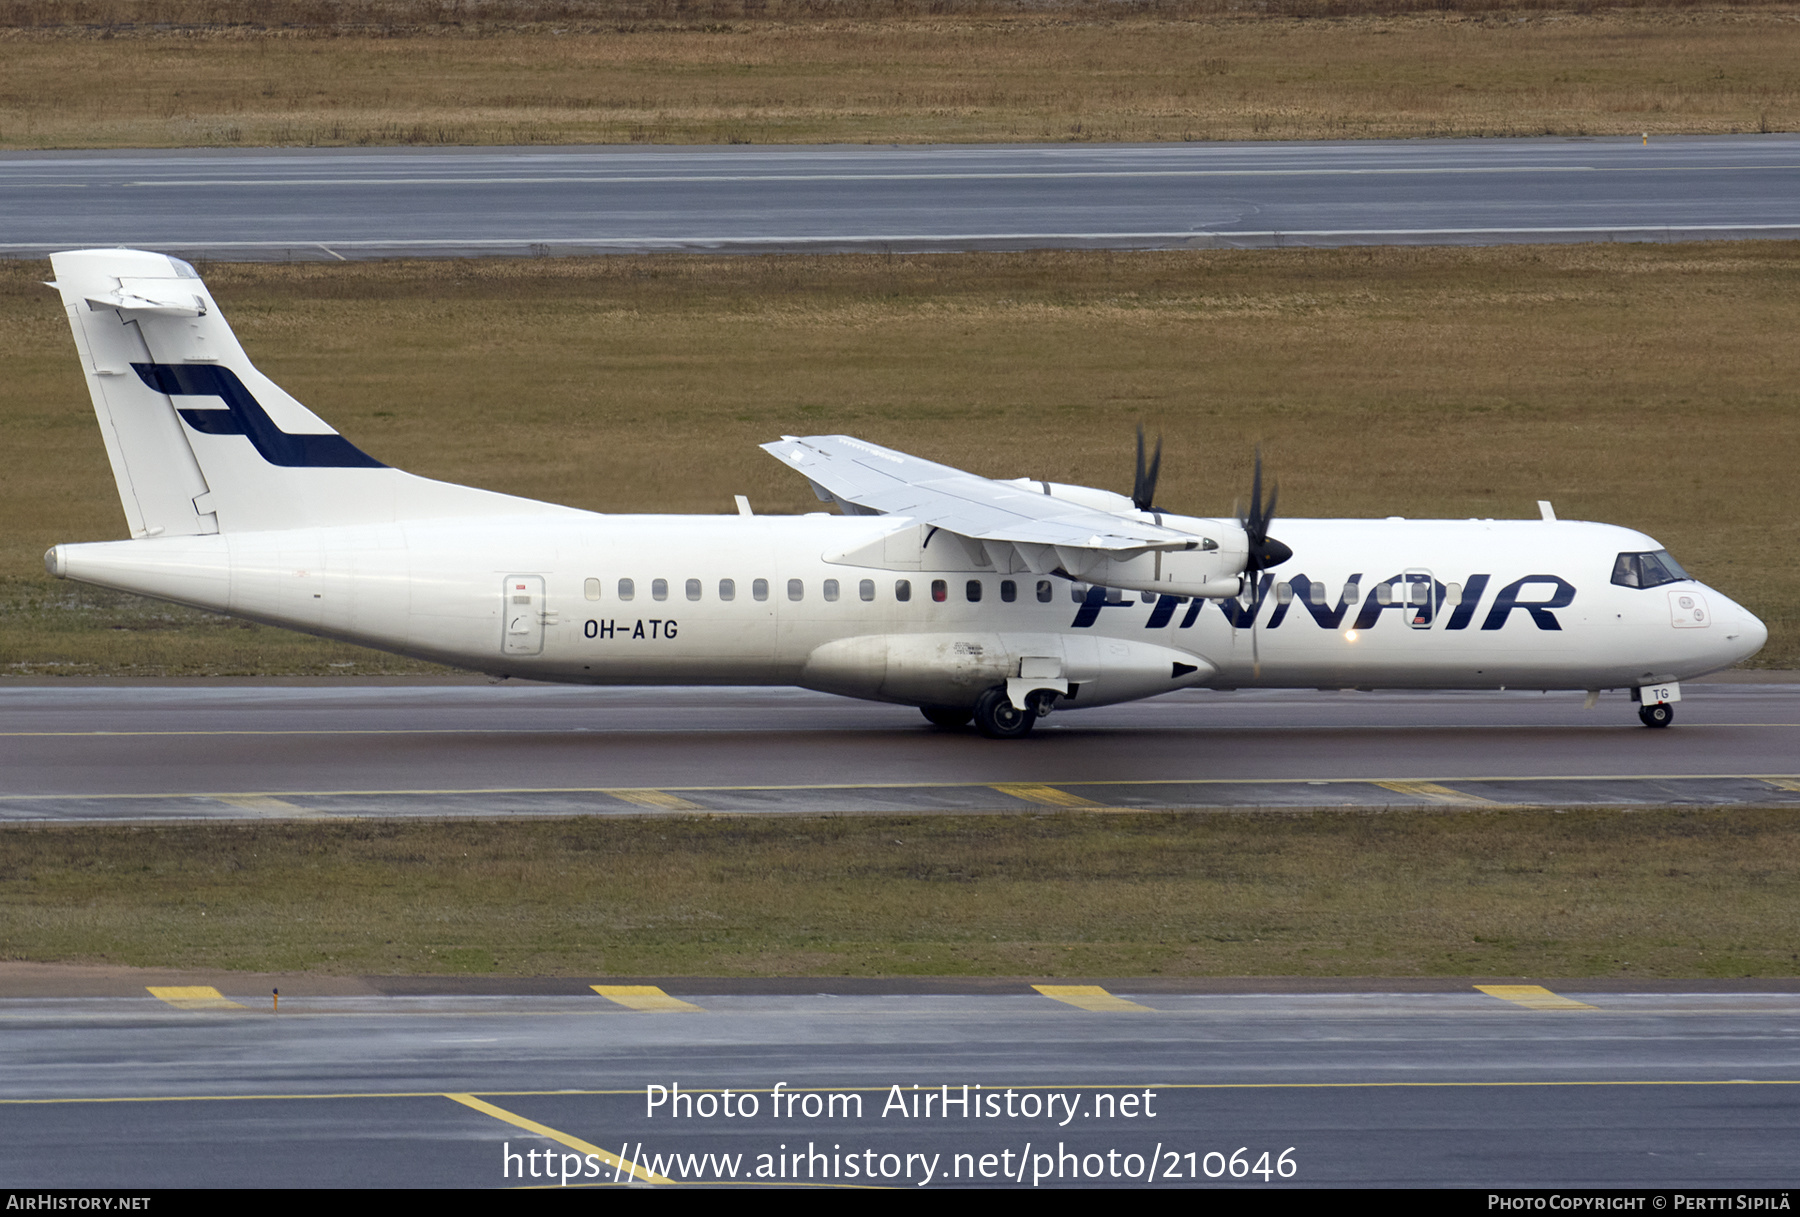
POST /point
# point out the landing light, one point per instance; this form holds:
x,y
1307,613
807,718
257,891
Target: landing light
x,y
1350,636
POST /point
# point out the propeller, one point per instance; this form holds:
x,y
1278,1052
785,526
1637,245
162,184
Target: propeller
x,y
1264,552
1143,491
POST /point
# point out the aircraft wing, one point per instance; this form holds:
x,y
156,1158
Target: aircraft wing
x,y
867,479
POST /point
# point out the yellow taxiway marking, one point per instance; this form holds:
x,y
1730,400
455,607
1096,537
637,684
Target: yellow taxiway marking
x,y
1089,997
1048,796
1534,997
1433,791
1774,779
561,1138
645,997
1784,783
193,997
268,803
660,799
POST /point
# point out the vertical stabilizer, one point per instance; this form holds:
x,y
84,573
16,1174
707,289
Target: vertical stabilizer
x,y
160,483
200,441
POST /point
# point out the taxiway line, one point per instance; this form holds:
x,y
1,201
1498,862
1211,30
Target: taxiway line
x,y
1777,781
561,1138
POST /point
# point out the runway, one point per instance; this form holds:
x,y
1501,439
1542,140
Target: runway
x,y
244,750
355,203
1436,1084
136,1079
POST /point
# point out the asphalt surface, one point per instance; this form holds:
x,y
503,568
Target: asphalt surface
x,y
422,1081
348,203
1564,1088
257,751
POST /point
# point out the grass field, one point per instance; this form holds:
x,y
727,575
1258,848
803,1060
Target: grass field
x,y
1687,893
218,73
1655,386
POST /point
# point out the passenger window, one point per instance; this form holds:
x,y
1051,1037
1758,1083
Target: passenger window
x,y
693,589
760,589
1078,592
659,589
727,590
591,589
866,589
1147,597
830,589
1352,592
1009,591
1453,593
796,589
626,589
1284,592
903,590
972,589
1384,593
940,591
1318,593
1045,590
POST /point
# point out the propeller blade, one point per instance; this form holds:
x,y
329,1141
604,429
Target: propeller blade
x,y
1264,550
1143,489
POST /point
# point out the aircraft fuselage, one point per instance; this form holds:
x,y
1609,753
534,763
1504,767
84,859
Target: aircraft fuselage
x,y
749,600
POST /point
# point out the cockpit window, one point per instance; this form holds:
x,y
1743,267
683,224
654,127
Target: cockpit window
x,y
1647,570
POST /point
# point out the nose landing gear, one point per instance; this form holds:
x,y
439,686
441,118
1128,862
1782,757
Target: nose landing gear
x,y
1659,715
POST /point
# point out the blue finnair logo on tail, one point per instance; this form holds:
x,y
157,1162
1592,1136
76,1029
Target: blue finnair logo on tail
x,y
244,415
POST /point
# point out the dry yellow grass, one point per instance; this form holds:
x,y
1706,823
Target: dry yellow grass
x,y
350,74
1644,893
1655,386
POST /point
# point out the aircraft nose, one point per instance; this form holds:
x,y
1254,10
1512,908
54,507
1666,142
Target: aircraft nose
x,y
1752,635
1747,633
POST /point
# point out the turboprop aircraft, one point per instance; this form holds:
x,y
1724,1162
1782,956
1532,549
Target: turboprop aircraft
x,y
970,598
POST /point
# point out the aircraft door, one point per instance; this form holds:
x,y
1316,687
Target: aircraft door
x,y
522,615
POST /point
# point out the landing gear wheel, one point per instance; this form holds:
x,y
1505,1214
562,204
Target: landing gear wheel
x,y
1660,715
997,718
947,717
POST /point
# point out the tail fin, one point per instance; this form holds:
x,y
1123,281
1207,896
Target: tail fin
x,y
200,441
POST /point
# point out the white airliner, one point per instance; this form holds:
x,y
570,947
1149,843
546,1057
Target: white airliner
x,y
969,598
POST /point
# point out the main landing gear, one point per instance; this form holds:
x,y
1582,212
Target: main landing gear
x,y
1659,715
994,716
997,718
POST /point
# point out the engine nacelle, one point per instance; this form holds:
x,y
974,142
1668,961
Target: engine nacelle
x,y
1211,570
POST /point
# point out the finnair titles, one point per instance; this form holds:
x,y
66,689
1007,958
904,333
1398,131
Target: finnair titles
x,y
973,599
